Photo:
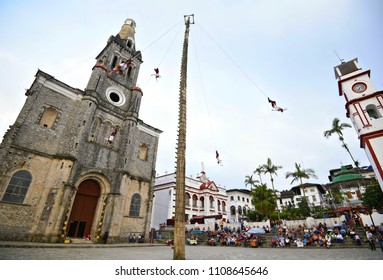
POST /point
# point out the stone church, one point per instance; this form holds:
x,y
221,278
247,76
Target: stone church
x,y
80,163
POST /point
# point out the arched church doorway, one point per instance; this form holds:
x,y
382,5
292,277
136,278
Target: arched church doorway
x,y
84,206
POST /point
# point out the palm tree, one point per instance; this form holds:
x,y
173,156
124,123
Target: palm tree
x,y
337,128
250,181
270,168
264,200
300,173
259,171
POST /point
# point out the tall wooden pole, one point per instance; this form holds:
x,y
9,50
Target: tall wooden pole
x,y
179,223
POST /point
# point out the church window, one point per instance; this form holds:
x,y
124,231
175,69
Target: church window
x,y
231,198
114,62
49,117
129,72
143,153
211,199
130,44
18,187
219,205
373,112
232,210
135,205
195,200
239,210
187,199
115,97
202,202
106,132
95,128
223,206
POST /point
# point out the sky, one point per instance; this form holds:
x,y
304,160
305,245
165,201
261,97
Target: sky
x,y
240,53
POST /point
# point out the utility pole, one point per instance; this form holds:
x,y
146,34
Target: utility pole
x,y
179,223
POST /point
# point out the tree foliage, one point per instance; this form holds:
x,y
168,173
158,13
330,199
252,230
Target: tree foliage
x,y
264,200
373,197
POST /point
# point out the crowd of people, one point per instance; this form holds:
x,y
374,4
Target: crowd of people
x,y
321,235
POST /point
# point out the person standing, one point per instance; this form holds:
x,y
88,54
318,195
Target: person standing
x,y
370,238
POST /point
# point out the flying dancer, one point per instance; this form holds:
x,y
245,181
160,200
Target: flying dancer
x,y
157,73
275,107
217,157
121,67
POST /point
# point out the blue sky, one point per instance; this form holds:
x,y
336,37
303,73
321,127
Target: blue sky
x,y
240,53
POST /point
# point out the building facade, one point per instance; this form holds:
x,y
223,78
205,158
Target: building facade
x,y
205,202
239,203
349,184
80,162
364,106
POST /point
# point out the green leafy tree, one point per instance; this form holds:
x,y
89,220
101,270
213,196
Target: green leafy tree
x,y
304,208
336,196
263,200
300,174
272,169
253,216
373,197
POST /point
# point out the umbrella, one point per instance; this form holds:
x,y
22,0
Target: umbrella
x,y
196,231
256,231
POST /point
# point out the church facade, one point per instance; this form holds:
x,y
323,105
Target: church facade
x,y
81,163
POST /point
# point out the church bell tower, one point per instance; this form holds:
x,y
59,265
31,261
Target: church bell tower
x,y
364,106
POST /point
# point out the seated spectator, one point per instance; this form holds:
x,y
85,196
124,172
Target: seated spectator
x,y
299,243
352,233
336,225
328,240
274,242
338,238
315,239
381,229
357,240
287,241
322,241
281,241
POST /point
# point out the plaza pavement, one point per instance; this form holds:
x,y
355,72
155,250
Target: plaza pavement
x,y
49,251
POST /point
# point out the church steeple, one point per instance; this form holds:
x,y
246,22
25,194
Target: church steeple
x,y
112,83
127,32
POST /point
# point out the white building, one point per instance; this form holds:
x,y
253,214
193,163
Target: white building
x,y
205,202
314,193
364,106
239,203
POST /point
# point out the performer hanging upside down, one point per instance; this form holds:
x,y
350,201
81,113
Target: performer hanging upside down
x,y
275,107
121,67
157,73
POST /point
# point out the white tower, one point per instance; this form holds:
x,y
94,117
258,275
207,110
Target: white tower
x,y
364,106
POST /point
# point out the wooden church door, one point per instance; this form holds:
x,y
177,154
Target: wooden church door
x,y
84,206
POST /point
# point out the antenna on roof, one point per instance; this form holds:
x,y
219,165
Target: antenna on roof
x,y
341,60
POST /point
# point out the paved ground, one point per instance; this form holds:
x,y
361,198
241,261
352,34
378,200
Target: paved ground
x,y
36,251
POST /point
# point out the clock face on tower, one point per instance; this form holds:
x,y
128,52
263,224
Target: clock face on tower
x,y
359,87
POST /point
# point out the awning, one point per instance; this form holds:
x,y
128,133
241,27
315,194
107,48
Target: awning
x,y
348,208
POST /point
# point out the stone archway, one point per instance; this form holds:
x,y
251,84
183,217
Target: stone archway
x,y
83,209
